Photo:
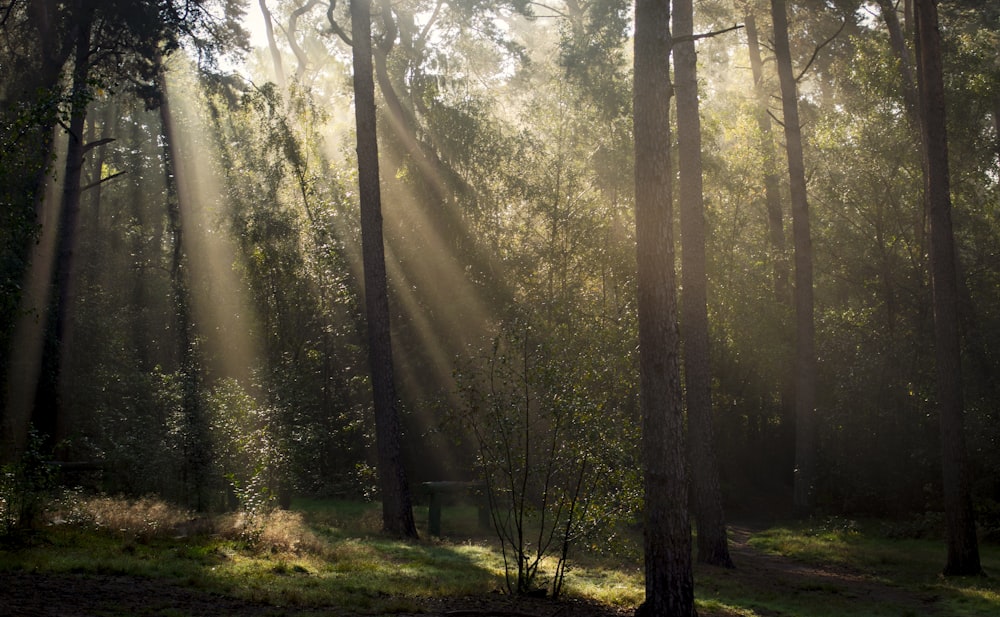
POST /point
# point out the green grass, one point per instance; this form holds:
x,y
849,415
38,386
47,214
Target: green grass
x,y
906,567
327,553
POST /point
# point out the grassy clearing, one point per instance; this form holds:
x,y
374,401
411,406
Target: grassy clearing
x,y
325,553
906,567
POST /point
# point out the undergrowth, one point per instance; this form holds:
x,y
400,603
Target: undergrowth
x,y
332,553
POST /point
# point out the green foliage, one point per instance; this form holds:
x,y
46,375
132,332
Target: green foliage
x,y
250,453
25,487
544,454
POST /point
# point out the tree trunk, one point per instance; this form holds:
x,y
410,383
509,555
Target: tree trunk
x,y
713,546
397,510
48,415
772,190
776,235
805,346
898,40
669,579
272,45
963,547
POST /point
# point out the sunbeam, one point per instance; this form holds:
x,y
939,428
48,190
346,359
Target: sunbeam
x,y
225,320
27,347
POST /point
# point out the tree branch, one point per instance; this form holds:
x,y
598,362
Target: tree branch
x,y
818,48
427,27
335,26
96,144
695,37
102,181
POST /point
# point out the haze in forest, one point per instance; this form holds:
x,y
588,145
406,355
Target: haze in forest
x,y
808,326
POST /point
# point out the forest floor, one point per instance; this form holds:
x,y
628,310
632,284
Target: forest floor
x,y
767,574
72,595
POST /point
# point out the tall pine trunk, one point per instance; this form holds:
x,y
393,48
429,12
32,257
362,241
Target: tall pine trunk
x,y
397,509
48,416
669,579
713,545
963,547
805,329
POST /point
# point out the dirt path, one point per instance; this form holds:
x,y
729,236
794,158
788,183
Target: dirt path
x,y
786,576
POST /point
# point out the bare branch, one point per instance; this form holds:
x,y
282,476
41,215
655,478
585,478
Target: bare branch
x,y
96,144
430,22
556,11
696,37
102,181
335,26
819,47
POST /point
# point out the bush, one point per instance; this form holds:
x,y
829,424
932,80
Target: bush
x,y
24,489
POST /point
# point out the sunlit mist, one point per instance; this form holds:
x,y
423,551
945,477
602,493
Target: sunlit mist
x,y
224,318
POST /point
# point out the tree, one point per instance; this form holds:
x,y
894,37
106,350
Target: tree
x,y
397,510
805,329
963,547
107,42
667,545
713,547
272,45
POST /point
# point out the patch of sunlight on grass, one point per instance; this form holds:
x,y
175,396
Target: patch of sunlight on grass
x,y
614,586
714,608
814,546
966,596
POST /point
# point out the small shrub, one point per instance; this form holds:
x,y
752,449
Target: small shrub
x,y
25,487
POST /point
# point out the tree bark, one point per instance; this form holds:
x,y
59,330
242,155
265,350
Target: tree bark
x,y
48,416
397,510
963,547
667,544
272,45
713,544
805,330
772,190
898,41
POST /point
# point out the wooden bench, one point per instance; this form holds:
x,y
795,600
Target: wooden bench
x,y
438,491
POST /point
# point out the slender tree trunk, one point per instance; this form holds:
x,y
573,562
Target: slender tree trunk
x,y
805,330
898,40
397,509
776,235
48,415
669,579
713,545
963,547
772,189
301,57
272,45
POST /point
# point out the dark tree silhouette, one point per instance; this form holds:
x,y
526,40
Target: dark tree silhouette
x,y
805,328
713,545
397,509
669,579
963,547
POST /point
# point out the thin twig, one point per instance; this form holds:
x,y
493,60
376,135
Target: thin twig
x,y
102,181
695,37
819,47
